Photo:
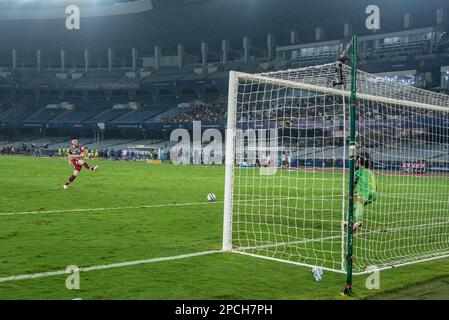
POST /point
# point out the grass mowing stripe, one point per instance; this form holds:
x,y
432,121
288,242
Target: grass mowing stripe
x,y
108,266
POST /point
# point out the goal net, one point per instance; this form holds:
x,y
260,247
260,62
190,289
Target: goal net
x,y
287,178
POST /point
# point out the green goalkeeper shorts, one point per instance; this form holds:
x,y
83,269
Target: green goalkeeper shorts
x,y
368,196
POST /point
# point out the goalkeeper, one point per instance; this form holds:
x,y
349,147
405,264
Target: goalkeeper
x,y
365,187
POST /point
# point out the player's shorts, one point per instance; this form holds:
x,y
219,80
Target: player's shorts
x,y
76,164
368,196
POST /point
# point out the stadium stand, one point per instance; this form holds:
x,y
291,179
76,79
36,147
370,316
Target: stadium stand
x,y
144,99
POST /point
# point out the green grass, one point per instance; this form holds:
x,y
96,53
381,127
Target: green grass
x,y
41,242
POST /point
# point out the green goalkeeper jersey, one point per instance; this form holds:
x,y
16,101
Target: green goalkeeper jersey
x,y
366,184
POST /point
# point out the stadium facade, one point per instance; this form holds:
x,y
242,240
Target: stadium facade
x,y
135,70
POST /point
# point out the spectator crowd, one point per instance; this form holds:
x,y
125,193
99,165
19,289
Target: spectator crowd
x,y
214,113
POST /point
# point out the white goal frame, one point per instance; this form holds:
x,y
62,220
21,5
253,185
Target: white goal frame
x,y
230,164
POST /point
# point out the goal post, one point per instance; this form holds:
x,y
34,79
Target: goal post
x,y
230,161
352,155
288,169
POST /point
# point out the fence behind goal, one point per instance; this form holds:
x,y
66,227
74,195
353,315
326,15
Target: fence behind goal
x,y
286,169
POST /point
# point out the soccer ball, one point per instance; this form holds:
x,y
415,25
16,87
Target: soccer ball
x,y
211,197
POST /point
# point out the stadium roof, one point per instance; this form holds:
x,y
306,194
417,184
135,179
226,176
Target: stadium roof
x,y
194,21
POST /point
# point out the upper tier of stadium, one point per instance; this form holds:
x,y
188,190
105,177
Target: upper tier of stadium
x,y
158,22
46,4
151,70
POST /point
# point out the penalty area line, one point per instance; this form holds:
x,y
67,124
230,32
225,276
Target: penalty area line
x,y
108,266
143,206
149,206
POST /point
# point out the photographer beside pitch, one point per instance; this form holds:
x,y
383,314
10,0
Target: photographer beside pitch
x,y
75,155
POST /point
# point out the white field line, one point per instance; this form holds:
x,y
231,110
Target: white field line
x,y
107,266
203,253
167,205
237,250
108,209
368,232
433,256
288,261
400,264
149,206
290,243
359,273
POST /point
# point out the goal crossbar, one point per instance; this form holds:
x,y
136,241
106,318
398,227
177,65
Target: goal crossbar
x,y
333,91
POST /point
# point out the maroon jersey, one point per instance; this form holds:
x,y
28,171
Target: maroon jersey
x,y
76,151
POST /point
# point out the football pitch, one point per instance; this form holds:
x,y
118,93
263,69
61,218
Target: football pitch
x,y
124,221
